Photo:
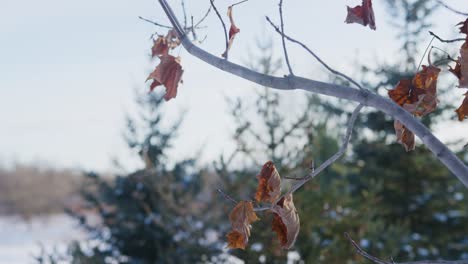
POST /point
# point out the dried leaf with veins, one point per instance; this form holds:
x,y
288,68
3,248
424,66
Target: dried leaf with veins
x,y
241,217
363,14
461,67
462,111
404,136
269,184
168,73
404,93
425,82
233,30
418,96
286,221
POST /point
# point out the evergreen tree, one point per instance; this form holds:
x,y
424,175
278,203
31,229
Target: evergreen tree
x,y
153,215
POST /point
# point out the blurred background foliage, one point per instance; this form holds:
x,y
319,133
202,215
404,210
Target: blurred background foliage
x,y
404,205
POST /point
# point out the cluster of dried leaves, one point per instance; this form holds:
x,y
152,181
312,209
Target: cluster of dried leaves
x,y
285,218
169,71
419,95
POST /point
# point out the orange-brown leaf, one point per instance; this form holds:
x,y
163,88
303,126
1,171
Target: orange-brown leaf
x,y
168,73
269,184
404,93
462,111
425,83
233,30
286,221
404,136
363,14
418,96
461,67
241,217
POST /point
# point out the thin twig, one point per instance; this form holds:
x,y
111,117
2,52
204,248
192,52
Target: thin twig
x,y
226,196
446,40
154,23
315,56
424,55
336,156
224,26
451,8
238,3
312,170
363,253
285,50
204,17
182,3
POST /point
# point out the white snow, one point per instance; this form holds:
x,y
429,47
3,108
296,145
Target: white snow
x,y
20,240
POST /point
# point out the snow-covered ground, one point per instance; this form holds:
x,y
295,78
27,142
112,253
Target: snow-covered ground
x,y
20,240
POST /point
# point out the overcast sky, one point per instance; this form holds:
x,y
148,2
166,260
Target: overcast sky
x,y
68,70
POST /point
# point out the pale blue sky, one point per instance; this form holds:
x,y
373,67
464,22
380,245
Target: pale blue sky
x,y
68,70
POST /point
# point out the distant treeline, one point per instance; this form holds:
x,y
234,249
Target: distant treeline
x,y
30,190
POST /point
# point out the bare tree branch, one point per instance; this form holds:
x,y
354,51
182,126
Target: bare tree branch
x,y
363,253
336,156
285,50
446,40
366,97
314,55
451,8
226,196
226,40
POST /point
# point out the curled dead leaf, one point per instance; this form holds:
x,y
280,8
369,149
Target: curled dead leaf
x,y
286,221
426,82
269,184
461,67
233,30
168,73
241,217
363,14
404,136
462,111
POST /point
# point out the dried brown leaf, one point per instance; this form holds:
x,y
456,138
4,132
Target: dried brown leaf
x,y
363,14
233,30
269,184
241,217
404,136
168,73
462,111
286,222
